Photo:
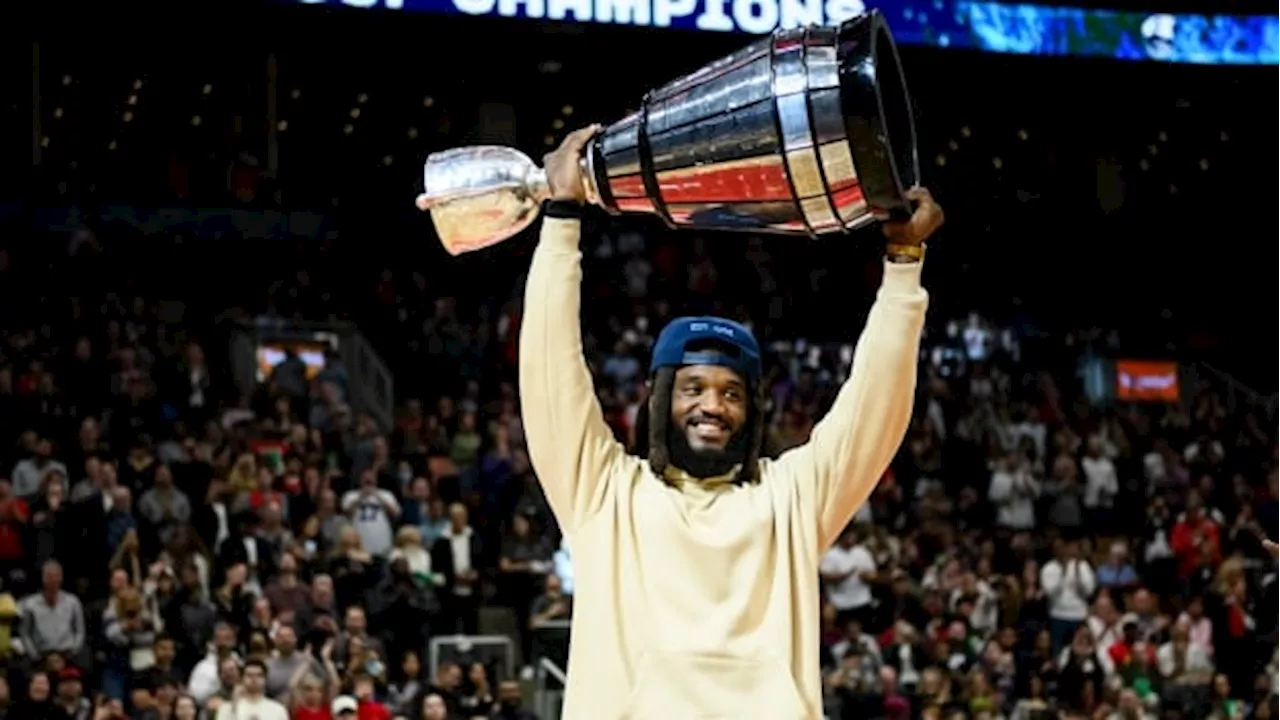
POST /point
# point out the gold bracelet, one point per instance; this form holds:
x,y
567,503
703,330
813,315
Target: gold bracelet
x,y
899,252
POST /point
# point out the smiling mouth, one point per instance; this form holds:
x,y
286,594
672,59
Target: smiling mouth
x,y
710,431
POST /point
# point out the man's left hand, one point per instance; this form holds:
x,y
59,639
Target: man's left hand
x,y
924,222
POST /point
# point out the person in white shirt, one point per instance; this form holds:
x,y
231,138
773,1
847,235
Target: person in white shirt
x,y
204,681
1182,661
983,612
563,560
977,338
410,547
455,555
854,637
250,701
373,511
1024,426
1199,626
1069,582
1108,628
1101,484
29,474
847,570
1014,490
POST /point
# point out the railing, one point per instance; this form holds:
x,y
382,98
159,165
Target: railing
x,y
548,694
465,649
372,387
1235,393
551,655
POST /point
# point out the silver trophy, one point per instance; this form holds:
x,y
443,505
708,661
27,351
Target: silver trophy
x,y
806,132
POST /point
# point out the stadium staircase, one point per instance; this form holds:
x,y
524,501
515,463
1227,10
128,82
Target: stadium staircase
x,y
1235,394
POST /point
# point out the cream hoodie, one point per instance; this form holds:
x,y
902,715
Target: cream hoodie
x,y
701,603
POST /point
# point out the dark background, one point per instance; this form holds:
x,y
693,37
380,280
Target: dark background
x,y
1142,199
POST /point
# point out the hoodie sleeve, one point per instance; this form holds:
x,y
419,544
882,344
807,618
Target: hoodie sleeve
x,y
571,447
852,445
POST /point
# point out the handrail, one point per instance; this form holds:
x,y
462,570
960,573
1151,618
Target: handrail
x,y
547,701
553,670
1234,391
464,643
373,385
1230,379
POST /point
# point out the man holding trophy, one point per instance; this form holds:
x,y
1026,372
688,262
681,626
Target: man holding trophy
x,y
697,592
696,567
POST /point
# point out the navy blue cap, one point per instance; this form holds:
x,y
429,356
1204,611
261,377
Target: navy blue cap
x,y
743,354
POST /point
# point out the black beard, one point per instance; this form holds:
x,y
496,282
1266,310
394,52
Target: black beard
x,y
709,462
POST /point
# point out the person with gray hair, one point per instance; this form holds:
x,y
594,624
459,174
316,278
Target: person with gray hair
x,y
51,620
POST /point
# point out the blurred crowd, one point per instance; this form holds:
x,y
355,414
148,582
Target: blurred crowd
x,y
172,548
1028,556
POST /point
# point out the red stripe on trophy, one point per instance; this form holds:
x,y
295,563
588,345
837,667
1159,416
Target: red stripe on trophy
x,y
842,184
762,179
851,195
627,186
626,204
784,44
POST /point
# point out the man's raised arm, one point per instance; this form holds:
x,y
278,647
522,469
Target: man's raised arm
x,y
570,445
852,445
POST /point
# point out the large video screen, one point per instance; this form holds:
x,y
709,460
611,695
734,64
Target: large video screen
x,y
1021,29
1147,381
272,353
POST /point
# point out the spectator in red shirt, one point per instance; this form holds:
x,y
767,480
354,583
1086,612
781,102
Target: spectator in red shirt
x,y
1191,534
1122,650
309,701
14,515
265,494
367,705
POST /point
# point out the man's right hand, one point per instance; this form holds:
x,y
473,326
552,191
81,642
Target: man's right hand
x,y
563,167
1272,548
